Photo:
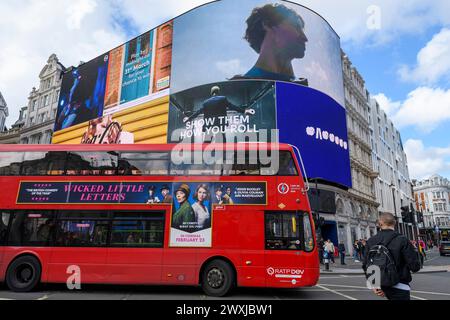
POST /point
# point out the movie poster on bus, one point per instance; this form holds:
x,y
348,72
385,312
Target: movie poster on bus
x,y
191,221
235,111
240,193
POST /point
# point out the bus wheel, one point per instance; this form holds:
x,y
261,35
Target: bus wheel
x,y
23,274
217,278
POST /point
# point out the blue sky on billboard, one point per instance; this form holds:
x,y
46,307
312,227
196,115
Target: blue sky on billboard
x,y
402,49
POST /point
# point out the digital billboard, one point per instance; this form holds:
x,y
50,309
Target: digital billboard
x,y
256,39
230,70
232,110
317,125
127,76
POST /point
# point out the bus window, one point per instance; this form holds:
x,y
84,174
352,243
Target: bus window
x,y
10,163
44,163
4,222
144,164
92,163
287,165
282,231
31,229
82,233
138,230
308,233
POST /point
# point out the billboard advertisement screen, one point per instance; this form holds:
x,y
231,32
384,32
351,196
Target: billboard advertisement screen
x,y
256,39
232,110
127,76
235,70
317,125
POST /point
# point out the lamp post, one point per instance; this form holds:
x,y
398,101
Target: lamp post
x,y
397,225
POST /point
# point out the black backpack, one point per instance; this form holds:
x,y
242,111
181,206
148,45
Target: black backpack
x,y
380,256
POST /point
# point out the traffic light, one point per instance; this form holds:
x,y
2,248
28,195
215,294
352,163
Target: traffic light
x,y
406,215
419,217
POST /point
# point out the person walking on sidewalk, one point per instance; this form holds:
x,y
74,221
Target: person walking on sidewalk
x,y
329,247
394,247
341,248
355,251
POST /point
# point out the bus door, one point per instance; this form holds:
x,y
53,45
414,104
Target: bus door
x,y
136,248
283,248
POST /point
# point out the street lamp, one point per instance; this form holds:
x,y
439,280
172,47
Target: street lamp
x,y
392,186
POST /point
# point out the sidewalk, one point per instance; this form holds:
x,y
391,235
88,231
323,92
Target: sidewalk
x,y
352,267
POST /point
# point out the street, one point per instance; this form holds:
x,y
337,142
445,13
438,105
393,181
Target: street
x,y
332,286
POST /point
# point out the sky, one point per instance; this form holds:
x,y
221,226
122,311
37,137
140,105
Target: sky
x,y
401,48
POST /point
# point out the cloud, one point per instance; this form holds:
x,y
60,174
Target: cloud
x,y
433,61
32,30
426,161
425,108
389,106
77,11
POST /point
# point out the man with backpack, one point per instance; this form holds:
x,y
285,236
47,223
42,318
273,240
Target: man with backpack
x,y
395,257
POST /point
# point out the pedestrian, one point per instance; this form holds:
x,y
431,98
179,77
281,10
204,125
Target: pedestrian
x,y
341,248
388,245
329,247
355,251
360,248
363,247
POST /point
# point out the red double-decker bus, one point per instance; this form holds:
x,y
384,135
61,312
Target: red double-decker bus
x,y
155,215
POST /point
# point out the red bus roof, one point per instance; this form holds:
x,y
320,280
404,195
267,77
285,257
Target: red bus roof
x,y
142,147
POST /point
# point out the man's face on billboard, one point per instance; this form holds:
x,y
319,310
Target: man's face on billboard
x,y
289,39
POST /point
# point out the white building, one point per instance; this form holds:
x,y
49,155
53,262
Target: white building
x,y
393,187
432,198
356,209
3,113
43,104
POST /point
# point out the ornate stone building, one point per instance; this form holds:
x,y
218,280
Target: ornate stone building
x,y
43,104
432,198
3,113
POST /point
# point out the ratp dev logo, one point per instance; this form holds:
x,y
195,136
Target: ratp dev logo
x,y
270,271
283,188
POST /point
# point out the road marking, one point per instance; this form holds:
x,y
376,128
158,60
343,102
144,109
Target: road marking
x,y
428,260
418,298
335,292
45,297
5,299
433,293
341,276
343,286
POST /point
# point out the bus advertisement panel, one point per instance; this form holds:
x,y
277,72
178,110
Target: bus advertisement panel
x,y
192,203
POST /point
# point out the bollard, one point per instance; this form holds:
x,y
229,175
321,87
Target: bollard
x,y
327,264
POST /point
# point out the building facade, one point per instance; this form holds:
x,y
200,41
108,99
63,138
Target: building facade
x,y
3,113
432,198
355,209
43,104
393,187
